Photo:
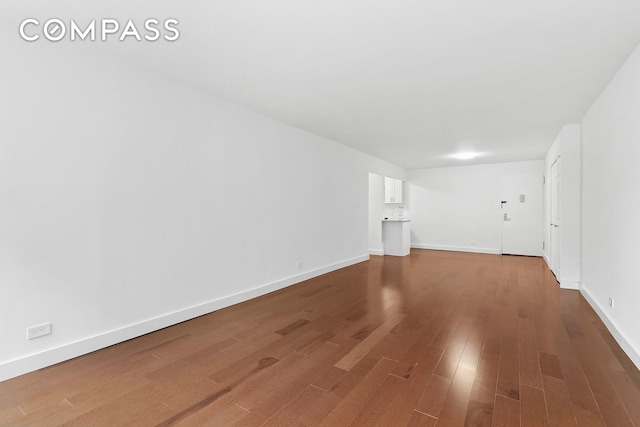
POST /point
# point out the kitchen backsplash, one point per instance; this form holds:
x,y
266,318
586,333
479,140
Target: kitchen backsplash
x,y
393,210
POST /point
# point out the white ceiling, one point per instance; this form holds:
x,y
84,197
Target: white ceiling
x,y
409,81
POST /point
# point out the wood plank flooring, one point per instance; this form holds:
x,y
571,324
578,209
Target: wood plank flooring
x,y
431,339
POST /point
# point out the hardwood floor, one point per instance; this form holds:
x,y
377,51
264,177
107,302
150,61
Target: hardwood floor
x,y
431,339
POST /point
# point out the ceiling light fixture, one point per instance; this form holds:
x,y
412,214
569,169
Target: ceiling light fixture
x,y
465,155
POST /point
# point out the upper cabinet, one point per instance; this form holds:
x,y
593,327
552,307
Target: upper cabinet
x,y
392,190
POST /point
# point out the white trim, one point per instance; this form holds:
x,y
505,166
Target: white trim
x,y
564,284
23,365
474,249
570,284
377,252
627,347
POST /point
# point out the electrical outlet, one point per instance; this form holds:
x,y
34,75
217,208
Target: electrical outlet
x,y
299,264
611,303
38,331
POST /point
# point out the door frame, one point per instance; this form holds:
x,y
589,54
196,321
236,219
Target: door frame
x,y
555,267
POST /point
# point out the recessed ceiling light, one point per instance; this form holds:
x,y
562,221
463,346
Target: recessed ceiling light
x,y
465,155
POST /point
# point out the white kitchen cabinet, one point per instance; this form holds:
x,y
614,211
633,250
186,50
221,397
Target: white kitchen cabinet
x,y
396,237
392,190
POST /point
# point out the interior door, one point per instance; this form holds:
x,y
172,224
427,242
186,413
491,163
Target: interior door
x,y
521,214
554,244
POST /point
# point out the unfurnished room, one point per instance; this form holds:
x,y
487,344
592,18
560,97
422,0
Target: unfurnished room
x,y
305,213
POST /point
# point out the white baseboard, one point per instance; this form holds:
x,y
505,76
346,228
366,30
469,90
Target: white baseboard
x,y
564,283
378,252
23,365
629,349
570,284
473,249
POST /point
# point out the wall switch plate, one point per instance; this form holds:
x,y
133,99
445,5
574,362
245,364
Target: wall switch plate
x,y
38,331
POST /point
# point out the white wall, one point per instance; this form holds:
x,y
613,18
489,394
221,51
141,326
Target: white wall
x,y
611,205
458,208
567,146
130,202
376,208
